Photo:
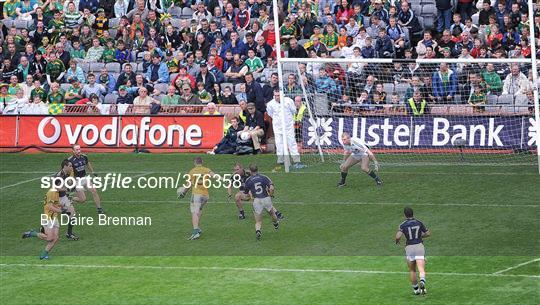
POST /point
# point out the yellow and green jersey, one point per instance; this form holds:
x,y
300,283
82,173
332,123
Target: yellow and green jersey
x,y
197,176
52,197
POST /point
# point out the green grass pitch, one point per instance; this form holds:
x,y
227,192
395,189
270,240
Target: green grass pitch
x,y
334,247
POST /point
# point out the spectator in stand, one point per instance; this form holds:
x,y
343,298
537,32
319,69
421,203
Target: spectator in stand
x,y
124,97
171,98
295,50
444,84
157,72
144,102
236,73
228,144
187,97
444,14
93,88
416,105
516,82
255,126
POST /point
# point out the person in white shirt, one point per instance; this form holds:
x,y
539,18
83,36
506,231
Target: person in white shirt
x,y
274,110
36,107
28,86
516,82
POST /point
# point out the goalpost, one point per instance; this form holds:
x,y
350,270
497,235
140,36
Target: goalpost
x,y
464,120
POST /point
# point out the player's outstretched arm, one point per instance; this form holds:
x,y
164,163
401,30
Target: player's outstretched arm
x,y
398,236
426,234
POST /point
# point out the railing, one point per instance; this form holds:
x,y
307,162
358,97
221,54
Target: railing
x,y
124,109
437,109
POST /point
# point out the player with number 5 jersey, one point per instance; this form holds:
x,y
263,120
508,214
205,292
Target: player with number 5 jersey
x,y
261,189
414,232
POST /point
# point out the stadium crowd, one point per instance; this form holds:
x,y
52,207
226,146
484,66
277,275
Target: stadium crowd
x,y
405,31
147,53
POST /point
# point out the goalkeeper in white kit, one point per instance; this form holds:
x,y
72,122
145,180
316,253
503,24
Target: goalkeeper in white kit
x,y
355,151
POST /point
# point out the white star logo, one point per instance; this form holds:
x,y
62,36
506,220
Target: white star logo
x,y
533,130
323,126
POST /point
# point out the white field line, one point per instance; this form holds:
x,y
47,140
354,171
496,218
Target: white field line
x,y
20,182
516,266
336,172
279,202
285,270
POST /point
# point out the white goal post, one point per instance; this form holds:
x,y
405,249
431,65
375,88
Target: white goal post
x,y
461,111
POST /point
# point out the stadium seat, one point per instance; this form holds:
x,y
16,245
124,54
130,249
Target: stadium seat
x,y
401,89
140,67
114,75
224,85
113,67
172,76
175,11
95,67
505,99
8,23
302,42
176,23
113,22
113,32
388,88
187,12
492,99
21,24
521,100
429,10
64,86
84,66
110,98
161,88
237,88
429,22
417,9
457,99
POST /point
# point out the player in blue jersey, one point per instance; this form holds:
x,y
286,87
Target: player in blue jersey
x,y
354,152
414,232
261,189
80,162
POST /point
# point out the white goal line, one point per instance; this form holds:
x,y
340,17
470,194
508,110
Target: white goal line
x,y
284,270
336,172
516,266
280,202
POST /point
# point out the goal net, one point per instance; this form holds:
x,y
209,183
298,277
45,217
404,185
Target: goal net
x,y
417,111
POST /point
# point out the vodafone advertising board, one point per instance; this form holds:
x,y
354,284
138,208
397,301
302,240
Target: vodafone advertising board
x,y
189,132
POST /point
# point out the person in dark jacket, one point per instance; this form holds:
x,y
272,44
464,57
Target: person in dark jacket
x,y
228,144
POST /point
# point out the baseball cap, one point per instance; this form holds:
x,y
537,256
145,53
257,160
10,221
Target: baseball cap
x,y
123,87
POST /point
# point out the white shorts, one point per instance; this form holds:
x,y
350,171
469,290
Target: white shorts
x,y
65,202
260,204
85,183
414,252
197,203
358,157
52,223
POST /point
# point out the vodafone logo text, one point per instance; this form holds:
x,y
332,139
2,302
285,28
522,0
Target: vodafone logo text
x,y
116,131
